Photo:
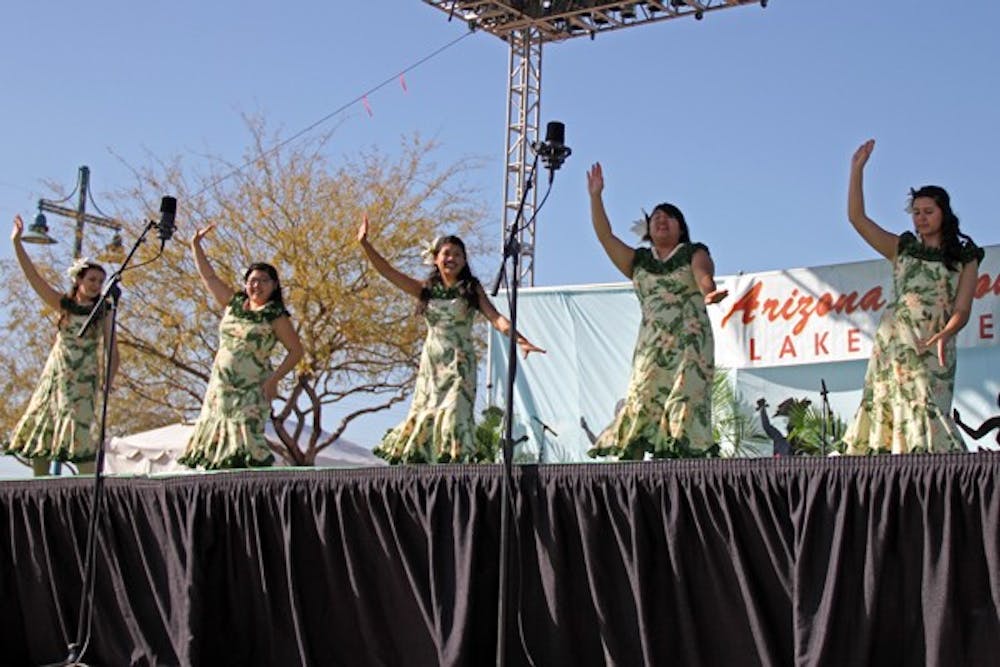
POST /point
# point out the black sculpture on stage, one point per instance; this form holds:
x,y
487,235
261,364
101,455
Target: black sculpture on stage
x,y
984,428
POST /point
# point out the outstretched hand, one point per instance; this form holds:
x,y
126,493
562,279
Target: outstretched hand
x,y
363,229
595,179
201,233
862,154
15,234
715,296
940,339
527,347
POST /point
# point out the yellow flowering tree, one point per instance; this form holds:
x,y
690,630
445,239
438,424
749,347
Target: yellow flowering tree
x,y
296,208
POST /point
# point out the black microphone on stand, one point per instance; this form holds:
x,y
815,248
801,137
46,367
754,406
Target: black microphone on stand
x,y
553,150
825,416
545,427
168,210
81,640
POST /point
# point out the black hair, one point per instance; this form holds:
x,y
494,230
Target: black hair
x,y
77,280
951,236
468,284
272,274
672,212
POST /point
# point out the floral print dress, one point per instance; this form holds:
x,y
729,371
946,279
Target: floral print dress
x,y
906,401
60,421
229,432
440,425
668,408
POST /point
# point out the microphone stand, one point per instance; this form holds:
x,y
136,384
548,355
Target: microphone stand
x,y
512,250
825,417
110,294
541,445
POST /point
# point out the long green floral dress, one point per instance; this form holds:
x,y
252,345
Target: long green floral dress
x,y
60,422
229,432
668,406
906,401
440,425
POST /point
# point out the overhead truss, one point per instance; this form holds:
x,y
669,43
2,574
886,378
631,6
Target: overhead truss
x,y
558,20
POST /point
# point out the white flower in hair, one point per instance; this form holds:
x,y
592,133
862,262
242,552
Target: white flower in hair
x,y
640,227
427,254
78,265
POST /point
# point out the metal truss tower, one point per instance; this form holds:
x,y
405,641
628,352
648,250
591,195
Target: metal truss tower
x,y
524,91
526,25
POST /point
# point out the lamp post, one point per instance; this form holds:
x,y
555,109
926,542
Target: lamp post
x,y
38,232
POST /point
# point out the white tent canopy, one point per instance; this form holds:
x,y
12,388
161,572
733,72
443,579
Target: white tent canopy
x,y
157,451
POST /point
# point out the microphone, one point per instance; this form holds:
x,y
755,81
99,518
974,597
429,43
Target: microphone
x,y
545,427
553,150
168,210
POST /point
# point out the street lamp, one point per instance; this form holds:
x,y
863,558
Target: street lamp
x,y
38,231
114,251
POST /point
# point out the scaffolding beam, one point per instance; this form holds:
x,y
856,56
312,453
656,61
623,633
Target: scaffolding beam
x,y
559,20
524,89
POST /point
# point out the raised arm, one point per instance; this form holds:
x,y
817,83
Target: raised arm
x,y
502,324
49,294
286,333
222,292
704,274
621,255
883,242
404,282
961,311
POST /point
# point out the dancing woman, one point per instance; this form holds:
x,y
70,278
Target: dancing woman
x,y
59,423
668,406
440,425
910,379
229,432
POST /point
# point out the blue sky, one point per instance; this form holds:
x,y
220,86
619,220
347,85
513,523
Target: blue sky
x,y
746,119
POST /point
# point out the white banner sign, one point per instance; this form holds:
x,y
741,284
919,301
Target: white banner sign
x,y
828,313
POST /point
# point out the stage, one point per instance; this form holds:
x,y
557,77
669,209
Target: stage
x,y
791,561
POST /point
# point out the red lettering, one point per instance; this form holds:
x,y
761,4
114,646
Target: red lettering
x,y
986,326
820,341
789,302
772,306
753,351
747,304
805,312
872,300
801,307
853,340
824,305
845,303
788,347
983,286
